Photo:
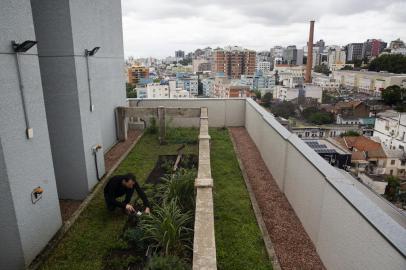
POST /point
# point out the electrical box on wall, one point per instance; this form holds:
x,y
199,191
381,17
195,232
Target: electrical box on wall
x,y
36,195
30,133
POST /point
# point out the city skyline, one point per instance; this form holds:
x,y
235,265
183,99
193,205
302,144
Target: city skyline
x,y
257,25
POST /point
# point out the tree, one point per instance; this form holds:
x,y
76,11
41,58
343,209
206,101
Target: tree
x,y
257,94
394,95
285,109
321,118
347,67
392,189
323,68
350,133
130,90
357,63
395,63
317,116
327,98
266,99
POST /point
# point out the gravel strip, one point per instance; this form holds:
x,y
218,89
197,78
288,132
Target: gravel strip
x,y
292,245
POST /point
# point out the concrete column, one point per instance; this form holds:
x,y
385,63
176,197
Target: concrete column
x,y
122,124
65,30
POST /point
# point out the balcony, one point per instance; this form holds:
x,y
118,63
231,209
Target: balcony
x,y
270,200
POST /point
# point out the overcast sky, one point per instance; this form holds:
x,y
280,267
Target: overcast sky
x,y
159,27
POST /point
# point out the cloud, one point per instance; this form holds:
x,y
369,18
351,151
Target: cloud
x,y
159,27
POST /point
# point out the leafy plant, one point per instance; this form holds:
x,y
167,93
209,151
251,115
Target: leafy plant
x,y
179,187
121,262
167,166
350,133
168,229
167,262
134,236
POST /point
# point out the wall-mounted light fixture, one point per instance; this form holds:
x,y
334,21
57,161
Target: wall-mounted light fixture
x,y
88,53
22,48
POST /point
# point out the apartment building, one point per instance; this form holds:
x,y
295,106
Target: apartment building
x,y
208,87
233,62
293,56
372,48
354,51
336,58
325,82
188,82
57,113
368,82
264,66
390,129
136,73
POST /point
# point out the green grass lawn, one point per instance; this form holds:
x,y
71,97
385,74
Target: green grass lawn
x,y
238,239
97,231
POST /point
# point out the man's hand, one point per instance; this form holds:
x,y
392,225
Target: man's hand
x,y
147,210
129,208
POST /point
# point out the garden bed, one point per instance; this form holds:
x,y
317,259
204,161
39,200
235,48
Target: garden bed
x,y
98,236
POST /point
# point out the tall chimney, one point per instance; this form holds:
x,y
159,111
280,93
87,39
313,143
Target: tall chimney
x,y
308,78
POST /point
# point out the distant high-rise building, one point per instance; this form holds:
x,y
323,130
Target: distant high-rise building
x,y
293,56
277,52
396,44
233,62
372,48
354,51
321,44
179,54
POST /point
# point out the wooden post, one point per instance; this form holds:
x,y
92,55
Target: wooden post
x,y
161,120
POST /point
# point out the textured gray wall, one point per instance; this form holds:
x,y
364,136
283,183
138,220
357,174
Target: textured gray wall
x,y
25,228
64,30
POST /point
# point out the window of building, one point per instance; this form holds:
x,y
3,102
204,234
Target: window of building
x,y
392,162
307,134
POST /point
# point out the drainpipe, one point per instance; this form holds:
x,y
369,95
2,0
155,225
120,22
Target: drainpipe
x,y
29,130
89,83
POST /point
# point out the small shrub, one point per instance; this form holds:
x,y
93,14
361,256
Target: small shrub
x,y
134,237
165,263
168,230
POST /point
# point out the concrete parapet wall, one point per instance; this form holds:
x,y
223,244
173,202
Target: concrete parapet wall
x,y
348,228
222,112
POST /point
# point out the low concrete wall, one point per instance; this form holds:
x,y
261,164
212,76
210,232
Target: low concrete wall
x,y
349,229
204,245
222,112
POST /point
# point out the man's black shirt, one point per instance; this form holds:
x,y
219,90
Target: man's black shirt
x,y
115,189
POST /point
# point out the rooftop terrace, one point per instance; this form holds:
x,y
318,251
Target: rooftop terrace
x,y
264,198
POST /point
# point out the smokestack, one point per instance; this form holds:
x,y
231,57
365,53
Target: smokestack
x,y
308,78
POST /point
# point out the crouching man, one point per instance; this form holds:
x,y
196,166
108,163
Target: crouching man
x,y
120,185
